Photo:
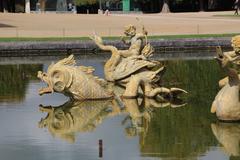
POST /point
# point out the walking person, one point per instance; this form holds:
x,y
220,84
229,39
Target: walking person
x,y
236,6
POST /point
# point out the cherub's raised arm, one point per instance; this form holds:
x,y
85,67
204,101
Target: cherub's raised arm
x,y
144,31
231,56
143,34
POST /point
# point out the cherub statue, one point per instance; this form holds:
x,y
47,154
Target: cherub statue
x,y
226,104
135,71
234,56
136,41
231,56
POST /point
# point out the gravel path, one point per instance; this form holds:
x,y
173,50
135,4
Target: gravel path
x,y
77,25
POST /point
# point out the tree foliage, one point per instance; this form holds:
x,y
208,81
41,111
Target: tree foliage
x,y
85,2
91,2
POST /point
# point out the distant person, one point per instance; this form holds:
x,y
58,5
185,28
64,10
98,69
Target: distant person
x,y
70,6
38,8
100,11
236,6
106,13
74,9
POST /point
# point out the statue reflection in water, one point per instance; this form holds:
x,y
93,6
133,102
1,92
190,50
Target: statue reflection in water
x,y
228,135
66,120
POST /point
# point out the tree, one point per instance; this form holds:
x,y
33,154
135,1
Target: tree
x,y
91,2
201,5
42,4
84,2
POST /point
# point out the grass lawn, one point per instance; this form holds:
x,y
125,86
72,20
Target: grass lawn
x,y
15,39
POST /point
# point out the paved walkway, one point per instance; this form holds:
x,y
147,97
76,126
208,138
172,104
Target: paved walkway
x,y
77,25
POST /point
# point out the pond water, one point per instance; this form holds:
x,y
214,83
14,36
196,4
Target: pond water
x,y
132,132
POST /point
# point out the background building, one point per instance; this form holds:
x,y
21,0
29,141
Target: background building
x,y
50,5
35,5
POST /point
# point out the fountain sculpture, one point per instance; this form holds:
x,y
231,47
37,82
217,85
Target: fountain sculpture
x,y
128,72
130,68
226,104
76,82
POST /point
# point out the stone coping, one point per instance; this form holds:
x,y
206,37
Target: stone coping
x,y
82,47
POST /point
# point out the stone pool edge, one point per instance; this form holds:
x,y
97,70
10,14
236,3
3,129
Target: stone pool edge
x,y
168,46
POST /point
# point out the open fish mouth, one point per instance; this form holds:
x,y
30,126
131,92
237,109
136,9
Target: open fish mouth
x,y
44,78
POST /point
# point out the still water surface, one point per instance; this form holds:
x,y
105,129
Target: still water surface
x,y
72,131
